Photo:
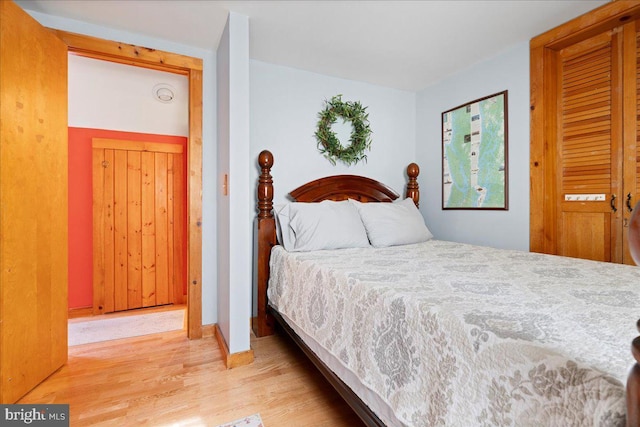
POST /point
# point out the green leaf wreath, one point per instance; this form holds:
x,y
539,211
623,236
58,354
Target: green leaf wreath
x,y
360,140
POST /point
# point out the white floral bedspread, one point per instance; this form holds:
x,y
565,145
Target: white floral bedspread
x,y
459,335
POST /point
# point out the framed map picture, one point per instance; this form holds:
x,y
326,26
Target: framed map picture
x,y
474,155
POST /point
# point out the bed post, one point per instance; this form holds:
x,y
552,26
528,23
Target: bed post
x,y
633,385
413,190
265,230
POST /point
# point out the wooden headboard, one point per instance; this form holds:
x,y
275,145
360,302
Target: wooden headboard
x,y
337,187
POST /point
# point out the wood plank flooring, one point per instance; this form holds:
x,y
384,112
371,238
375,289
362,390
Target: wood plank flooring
x,y
165,379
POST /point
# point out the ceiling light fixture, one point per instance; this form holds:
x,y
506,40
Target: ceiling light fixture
x,y
164,93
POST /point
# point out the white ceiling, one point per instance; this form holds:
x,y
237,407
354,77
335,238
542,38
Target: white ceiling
x,y
401,44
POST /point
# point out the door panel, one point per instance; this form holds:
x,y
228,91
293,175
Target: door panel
x,y
162,248
134,231
177,219
120,231
589,148
148,230
632,131
33,196
145,199
586,229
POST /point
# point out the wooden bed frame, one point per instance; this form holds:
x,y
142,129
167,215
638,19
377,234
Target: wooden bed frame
x,y
342,187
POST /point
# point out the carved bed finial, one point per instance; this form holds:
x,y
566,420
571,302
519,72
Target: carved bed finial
x,y
266,238
265,185
413,190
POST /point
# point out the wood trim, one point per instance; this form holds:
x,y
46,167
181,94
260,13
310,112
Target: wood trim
x,y
75,313
93,47
129,54
119,144
550,159
232,360
209,330
603,18
630,100
537,165
194,211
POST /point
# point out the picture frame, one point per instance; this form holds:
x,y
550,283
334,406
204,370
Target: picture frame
x,y
475,154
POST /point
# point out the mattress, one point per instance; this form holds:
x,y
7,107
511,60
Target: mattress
x,y
443,333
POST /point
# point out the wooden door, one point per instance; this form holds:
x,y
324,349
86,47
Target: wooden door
x,y
631,165
589,148
138,224
33,197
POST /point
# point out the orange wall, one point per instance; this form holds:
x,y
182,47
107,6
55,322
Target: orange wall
x,y
81,208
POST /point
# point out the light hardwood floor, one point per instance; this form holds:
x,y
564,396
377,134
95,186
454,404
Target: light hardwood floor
x,y
165,379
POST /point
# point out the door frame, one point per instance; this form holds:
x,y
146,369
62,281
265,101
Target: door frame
x,y
191,67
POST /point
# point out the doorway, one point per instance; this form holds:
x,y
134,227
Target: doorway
x,y
192,68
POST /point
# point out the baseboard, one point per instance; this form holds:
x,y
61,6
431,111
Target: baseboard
x,y
74,313
232,360
209,330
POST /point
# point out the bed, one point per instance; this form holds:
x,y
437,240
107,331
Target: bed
x,y
443,333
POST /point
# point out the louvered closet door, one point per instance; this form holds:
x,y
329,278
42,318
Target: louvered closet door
x,y
138,225
590,149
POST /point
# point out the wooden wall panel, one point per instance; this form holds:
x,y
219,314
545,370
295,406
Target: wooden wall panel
x,y
121,237
179,223
148,188
108,240
134,231
162,231
98,214
170,235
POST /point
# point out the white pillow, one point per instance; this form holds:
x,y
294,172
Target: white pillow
x,y
391,224
281,214
316,226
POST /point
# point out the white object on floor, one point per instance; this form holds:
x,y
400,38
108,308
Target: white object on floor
x,y
250,421
104,328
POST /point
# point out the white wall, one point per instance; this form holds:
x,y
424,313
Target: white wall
x,y
209,303
222,168
234,209
284,114
107,95
504,229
